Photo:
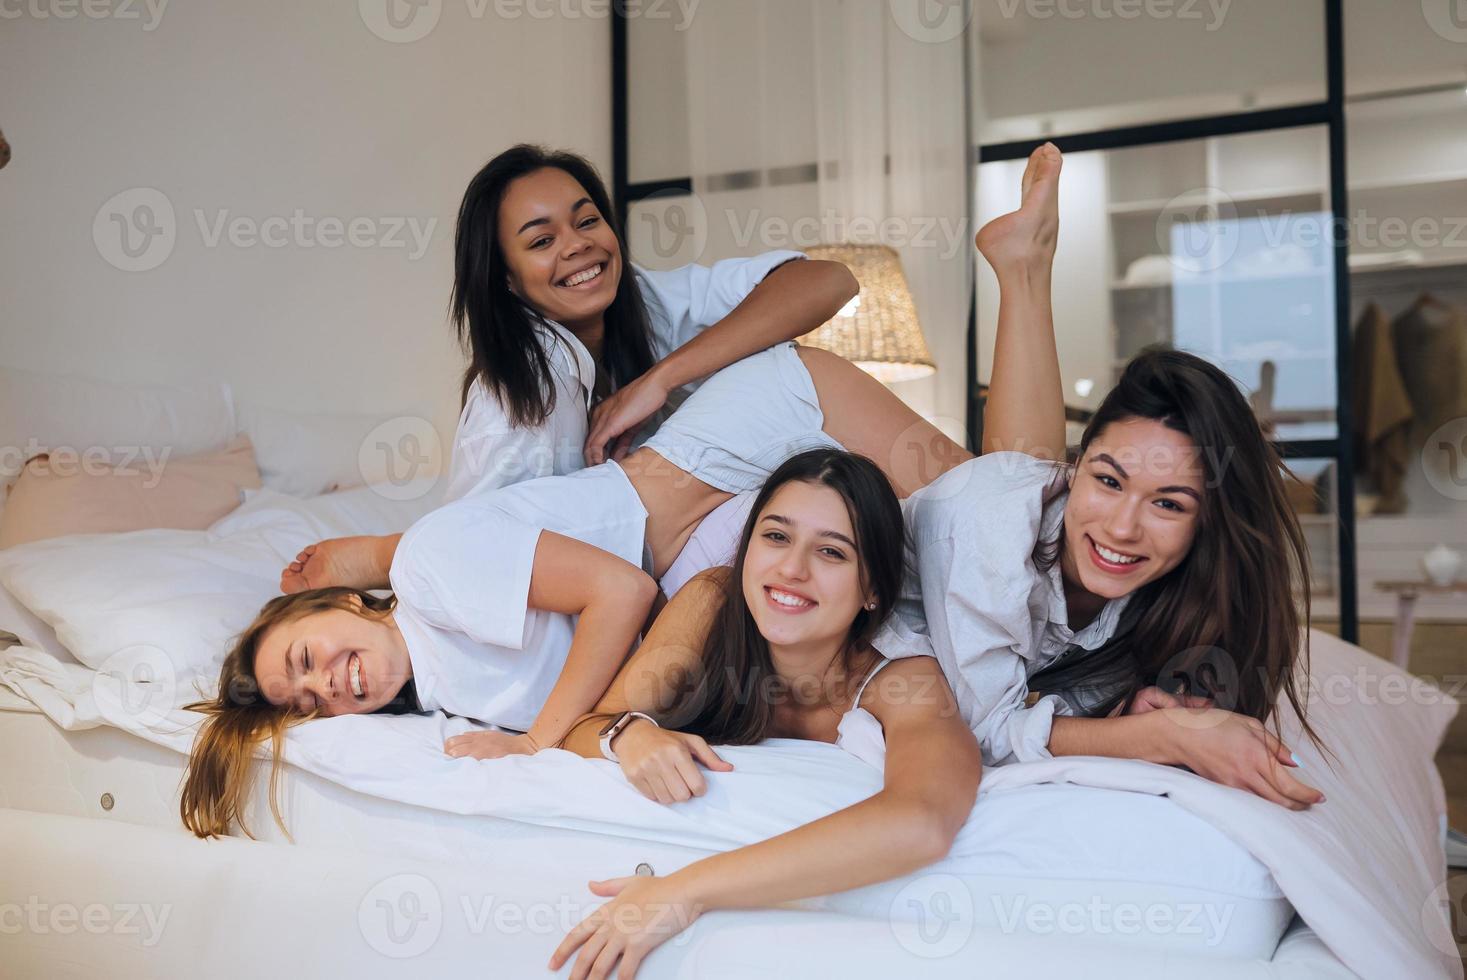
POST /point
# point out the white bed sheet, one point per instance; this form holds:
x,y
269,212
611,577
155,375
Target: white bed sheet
x,y
1032,839
171,906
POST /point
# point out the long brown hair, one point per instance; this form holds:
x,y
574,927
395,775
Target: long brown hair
x,y
1225,623
217,782
496,328
730,701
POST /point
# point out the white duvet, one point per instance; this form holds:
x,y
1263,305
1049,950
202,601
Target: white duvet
x,y
1365,870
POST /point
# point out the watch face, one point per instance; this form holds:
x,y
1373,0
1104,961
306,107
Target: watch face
x,y
610,725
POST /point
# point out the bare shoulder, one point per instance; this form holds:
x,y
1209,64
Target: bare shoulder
x,y
910,690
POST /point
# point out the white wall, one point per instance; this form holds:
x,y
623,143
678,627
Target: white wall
x,y
262,109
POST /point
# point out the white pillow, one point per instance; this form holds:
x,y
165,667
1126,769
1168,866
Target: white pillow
x,y
47,412
173,600
17,619
306,455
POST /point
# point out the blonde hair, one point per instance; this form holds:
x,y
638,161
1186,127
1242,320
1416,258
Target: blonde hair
x,y
217,782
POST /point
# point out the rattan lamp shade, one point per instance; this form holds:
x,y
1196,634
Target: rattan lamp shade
x,y
878,330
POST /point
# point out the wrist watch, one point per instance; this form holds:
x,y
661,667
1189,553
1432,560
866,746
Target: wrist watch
x,y
614,728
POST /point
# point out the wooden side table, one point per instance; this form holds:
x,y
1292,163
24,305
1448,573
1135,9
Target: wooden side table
x,y
1406,594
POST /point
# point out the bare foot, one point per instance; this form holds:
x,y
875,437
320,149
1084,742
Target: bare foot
x,y
1027,237
351,562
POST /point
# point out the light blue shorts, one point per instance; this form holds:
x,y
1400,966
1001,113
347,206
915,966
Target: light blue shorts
x,y
744,421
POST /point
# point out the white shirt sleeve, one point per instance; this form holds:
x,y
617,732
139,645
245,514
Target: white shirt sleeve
x,y
980,626
489,452
683,302
466,567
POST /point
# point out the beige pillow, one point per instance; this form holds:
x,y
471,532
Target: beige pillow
x,y
70,494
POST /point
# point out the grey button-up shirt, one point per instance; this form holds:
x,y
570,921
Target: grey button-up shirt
x,y
993,618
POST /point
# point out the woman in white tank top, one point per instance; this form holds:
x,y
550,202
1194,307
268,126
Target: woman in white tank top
x,y
786,644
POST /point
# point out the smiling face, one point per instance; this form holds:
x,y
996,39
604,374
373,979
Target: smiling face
x,y
802,572
340,661
1133,507
563,257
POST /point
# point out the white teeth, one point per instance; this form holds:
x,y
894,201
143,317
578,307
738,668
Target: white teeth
x,y
581,277
785,599
1116,557
356,675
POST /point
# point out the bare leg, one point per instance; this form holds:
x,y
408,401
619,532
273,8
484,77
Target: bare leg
x,y
357,563
865,417
1025,410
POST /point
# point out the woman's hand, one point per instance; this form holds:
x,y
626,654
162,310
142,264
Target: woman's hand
x,y
1236,750
615,421
663,764
643,914
1152,698
489,745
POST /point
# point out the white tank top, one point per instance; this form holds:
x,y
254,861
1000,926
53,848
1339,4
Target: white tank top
x,y
858,732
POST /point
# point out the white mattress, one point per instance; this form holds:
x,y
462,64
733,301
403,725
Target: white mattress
x,y
1142,889
166,905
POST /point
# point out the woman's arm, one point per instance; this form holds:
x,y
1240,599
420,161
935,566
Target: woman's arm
x,y
653,678
611,596
791,301
1025,411
1223,746
932,771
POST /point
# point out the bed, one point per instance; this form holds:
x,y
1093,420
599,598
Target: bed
x,y
401,860
1104,867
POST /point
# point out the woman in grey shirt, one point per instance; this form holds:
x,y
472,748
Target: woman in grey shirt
x,y
1149,589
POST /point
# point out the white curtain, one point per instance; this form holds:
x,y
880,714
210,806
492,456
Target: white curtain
x,y
829,121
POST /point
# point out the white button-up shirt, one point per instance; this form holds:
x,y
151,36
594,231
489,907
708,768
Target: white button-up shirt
x,y
462,580
489,452
993,617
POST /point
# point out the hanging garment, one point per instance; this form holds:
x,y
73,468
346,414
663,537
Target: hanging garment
x,y
1431,349
1382,411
